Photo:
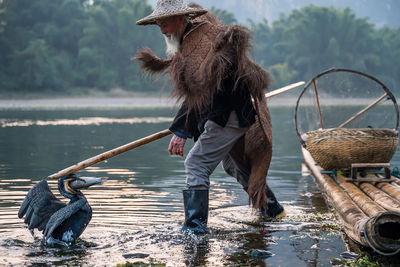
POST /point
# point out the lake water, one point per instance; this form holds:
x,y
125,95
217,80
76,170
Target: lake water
x,y
138,213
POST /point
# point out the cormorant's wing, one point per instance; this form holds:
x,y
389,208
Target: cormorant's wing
x,y
39,205
62,214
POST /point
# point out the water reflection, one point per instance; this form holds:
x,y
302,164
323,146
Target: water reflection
x,y
81,121
138,212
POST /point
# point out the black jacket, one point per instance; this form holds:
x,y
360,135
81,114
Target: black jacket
x,y
224,102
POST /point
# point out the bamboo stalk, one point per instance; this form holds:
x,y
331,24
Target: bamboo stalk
x,y
380,197
283,89
363,111
318,104
351,216
367,205
396,182
359,227
109,154
391,190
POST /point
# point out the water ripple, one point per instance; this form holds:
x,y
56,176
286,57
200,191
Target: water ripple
x,y
81,121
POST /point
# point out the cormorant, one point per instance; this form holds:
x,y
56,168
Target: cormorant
x,y
61,223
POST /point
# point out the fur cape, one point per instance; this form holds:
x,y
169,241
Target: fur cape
x,y
211,52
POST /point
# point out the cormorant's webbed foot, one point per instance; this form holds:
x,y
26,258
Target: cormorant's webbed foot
x,y
52,242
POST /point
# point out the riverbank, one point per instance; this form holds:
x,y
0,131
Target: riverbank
x,y
114,102
107,102
91,99
86,102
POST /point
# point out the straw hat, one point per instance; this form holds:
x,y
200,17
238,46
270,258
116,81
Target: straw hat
x,y
169,8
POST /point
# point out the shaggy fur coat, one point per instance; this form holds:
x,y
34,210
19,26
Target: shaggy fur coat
x,y
209,53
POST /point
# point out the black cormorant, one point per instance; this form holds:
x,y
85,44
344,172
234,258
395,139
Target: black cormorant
x,y
60,222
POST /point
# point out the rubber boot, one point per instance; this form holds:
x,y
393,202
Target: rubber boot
x,y
196,210
274,209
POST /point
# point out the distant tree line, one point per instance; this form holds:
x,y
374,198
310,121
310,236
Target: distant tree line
x,y
313,39
70,45
64,45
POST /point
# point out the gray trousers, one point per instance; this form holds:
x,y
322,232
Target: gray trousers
x,y
214,145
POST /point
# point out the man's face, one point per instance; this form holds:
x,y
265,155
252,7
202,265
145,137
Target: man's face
x,y
172,28
171,25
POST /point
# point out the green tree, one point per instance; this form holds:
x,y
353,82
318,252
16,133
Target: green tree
x,y
51,26
271,49
387,49
62,44
314,39
282,74
39,68
326,37
226,17
110,39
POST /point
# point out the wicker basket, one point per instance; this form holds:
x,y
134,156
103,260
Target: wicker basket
x,y
338,148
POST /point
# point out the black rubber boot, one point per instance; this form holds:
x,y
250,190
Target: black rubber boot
x,y
196,210
274,209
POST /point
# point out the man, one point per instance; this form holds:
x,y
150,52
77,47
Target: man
x,y
223,105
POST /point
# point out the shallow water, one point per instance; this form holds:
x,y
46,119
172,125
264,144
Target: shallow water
x,y
138,213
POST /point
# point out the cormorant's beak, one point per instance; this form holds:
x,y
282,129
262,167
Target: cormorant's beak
x,y
86,182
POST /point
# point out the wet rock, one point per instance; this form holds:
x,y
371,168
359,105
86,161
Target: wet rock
x,y
135,256
349,255
336,262
261,254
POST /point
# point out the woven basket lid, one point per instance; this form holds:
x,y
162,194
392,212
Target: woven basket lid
x,y
169,8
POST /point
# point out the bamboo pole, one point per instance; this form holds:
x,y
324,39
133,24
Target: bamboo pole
x,y
396,182
283,89
363,111
109,154
380,197
351,216
367,205
318,104
391,190
357,225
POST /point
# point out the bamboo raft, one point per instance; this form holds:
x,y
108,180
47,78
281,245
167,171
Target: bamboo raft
x,y
368,211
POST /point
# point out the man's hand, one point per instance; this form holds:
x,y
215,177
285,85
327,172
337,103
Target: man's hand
x,y
176,145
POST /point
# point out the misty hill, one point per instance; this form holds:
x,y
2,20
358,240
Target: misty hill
x,y
380,12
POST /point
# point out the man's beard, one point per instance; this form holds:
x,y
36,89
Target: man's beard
x,y
173,44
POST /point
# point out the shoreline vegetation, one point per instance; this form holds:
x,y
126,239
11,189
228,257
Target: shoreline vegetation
x,y
64,47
